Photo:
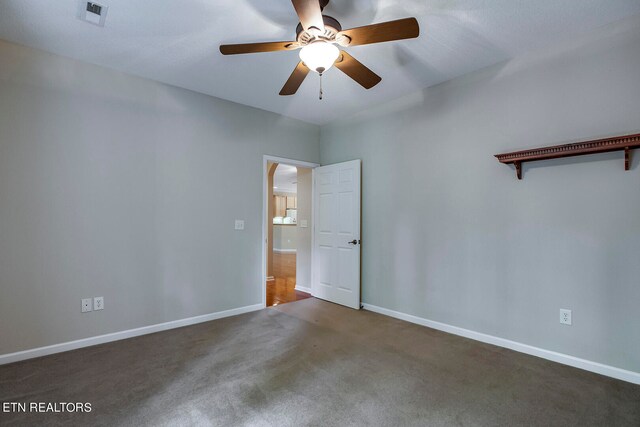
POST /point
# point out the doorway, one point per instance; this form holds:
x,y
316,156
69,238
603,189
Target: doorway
x,y
327,264
288,230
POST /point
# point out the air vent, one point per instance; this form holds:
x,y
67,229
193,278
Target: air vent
x,y
93,13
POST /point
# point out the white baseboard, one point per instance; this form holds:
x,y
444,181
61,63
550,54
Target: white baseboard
x,y
284,251
587,365
303,289
101,339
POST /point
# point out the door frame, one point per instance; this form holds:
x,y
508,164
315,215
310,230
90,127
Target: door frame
x,y
265,205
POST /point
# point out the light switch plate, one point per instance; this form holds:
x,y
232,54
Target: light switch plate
x,y
239,224
304,223
98,303
86,305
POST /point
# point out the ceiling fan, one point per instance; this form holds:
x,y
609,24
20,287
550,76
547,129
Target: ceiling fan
x,y
318,38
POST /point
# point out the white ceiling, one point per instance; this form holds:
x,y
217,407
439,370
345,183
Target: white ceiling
x,y
176,42
285,179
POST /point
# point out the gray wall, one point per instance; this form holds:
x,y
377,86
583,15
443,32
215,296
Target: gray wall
x,y
451,235
120,187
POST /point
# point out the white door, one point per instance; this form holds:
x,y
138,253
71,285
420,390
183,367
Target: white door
x,y
336,247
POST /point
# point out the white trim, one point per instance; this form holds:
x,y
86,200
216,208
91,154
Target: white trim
x,y
565,359
305,289
290,162
284,251
313,228
265,160
116,336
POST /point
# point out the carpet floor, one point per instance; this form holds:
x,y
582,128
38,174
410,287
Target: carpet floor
x,y
313,363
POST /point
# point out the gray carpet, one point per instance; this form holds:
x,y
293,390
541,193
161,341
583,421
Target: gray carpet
x,y
313,363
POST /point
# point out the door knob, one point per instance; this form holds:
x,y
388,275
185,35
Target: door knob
x,y
354,242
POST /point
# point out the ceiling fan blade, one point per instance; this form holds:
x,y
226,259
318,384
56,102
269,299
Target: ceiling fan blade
x,y
358,72
309,13
401,29
236,49
295,80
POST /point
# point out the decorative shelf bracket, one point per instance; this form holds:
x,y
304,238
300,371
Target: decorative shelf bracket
x,y
618,143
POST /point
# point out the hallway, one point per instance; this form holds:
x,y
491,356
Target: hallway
x,y
281,290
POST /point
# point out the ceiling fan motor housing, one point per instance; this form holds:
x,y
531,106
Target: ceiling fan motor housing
x,y
331,29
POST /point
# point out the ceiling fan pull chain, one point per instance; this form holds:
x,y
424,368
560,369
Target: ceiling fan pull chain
x,y
321,93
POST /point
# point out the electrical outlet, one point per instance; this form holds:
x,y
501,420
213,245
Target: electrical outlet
x,y
86,305
98,303
565,316
239,224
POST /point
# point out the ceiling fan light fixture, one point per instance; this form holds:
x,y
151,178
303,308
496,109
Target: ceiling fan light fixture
x,y
319,56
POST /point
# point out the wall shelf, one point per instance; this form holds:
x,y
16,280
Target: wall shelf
x,y
619,143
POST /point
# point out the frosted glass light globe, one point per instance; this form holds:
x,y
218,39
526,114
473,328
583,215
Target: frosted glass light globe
x,y
319,56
